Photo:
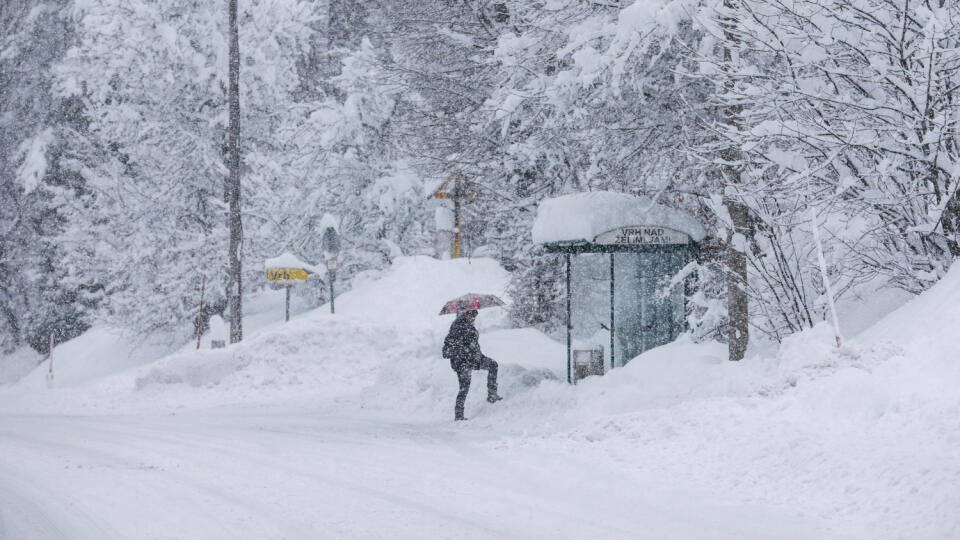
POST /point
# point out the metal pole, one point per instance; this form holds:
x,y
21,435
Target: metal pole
x,y
331,292
569,325
288,303
612,317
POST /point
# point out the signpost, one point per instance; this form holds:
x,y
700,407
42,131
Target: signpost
x,y
330,243
459,194
287,277
331,277
287,270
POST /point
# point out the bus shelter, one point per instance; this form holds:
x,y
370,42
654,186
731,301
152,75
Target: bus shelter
x,y
625,257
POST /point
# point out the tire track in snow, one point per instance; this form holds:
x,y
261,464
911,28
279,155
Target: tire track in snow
x,y
151,444
121,481
29,510
361,475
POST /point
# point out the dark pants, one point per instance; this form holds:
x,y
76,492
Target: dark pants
x,y
465,374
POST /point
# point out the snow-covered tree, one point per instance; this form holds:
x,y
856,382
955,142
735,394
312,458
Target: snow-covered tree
x,y
153,77
593,96
40,293
747,113
850,108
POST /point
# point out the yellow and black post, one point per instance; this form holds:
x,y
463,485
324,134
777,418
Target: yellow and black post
x,y
459,193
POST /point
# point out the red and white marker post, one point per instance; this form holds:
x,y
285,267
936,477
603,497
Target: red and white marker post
x,y
50,368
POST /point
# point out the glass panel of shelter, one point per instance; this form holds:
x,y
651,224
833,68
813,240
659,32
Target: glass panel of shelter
x,y
648,312
590,301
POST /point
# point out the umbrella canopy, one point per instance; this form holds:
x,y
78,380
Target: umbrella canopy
x,y
471,301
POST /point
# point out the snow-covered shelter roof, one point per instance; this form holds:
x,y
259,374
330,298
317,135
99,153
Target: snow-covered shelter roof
x,y
581,217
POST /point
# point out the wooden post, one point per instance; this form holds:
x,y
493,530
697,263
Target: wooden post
x,y
457,194
287,319
203,287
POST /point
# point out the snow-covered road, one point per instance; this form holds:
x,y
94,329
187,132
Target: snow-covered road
x,y
285,473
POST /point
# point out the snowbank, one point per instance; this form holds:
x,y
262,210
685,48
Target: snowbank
x,y
926,325
386,337
99,352
15,365
414,289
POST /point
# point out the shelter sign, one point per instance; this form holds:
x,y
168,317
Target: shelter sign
x,y
287,275
642,235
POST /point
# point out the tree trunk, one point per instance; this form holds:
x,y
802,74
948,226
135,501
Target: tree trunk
x,y
950,223
735,256
235,288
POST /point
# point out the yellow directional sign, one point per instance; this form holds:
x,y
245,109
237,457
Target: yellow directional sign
x,y
287,275
459,190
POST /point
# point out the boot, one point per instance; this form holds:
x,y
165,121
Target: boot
x,y
493,398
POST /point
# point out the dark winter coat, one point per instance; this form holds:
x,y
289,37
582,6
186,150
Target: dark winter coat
x,y
462,344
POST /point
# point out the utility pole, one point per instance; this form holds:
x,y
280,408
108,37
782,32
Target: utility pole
x,y
459,195
235,287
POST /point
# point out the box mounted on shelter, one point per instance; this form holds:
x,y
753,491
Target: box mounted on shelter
x,y
587,362
623,256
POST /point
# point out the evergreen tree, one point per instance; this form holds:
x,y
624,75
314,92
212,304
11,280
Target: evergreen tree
x,y
41,293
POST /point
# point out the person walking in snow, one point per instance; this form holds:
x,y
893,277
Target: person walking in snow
x,y
462,347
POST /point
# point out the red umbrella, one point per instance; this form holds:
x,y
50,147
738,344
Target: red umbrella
x,y
471,301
